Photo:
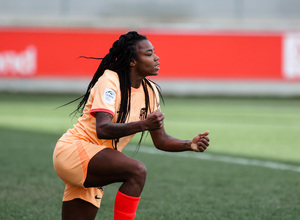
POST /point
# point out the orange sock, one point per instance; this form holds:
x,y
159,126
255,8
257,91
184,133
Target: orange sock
x,y
125,206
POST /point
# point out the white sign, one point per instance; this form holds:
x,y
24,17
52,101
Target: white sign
x,y
291,56
23,63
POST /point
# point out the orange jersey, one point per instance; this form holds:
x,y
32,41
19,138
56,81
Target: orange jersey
x,y
105,96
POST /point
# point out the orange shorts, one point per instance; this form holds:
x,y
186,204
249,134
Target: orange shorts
x,y
70,160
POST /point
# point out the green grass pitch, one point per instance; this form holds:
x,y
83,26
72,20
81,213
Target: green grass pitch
x,y
179,186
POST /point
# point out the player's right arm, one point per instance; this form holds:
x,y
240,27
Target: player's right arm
x,y
106,129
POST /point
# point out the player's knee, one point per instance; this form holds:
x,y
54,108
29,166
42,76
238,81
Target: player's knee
x,y
140,172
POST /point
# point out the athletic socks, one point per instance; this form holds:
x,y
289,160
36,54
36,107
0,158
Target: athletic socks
x,y
125,206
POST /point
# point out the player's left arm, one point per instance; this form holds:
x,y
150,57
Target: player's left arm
x,y
165,142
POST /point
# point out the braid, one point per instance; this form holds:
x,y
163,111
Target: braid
x,y
118,60
147,83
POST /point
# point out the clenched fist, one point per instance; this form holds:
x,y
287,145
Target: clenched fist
x,y
200,142
154,121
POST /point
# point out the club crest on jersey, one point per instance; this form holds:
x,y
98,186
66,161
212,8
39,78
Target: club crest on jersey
x,y
143,113
109,96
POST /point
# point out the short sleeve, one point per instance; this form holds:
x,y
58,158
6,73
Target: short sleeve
x,y
105,93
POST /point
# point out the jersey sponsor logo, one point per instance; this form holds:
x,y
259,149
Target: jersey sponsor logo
x,y
109,96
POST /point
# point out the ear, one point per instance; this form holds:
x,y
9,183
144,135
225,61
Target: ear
x,y
132,63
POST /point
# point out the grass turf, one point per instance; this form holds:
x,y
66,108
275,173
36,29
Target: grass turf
x,y
176,188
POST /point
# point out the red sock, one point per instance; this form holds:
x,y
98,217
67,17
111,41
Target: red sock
x,y
125,206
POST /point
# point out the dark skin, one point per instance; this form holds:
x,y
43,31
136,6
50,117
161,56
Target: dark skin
x,y
110,166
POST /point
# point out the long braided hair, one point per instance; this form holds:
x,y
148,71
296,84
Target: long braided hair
x,y
118,60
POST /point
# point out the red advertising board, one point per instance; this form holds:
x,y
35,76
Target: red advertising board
x,y
219,56
53,53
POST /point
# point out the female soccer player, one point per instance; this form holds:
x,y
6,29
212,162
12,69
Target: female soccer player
x,y
119,102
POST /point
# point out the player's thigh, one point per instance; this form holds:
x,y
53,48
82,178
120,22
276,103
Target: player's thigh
x,y
78,209
110,166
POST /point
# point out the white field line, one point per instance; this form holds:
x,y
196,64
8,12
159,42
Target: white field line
x,y
228,159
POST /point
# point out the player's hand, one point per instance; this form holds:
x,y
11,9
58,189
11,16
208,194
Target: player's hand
x,y
154,121
200,142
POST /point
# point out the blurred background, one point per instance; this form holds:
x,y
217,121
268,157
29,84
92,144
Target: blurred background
x,y
231,47
195,14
